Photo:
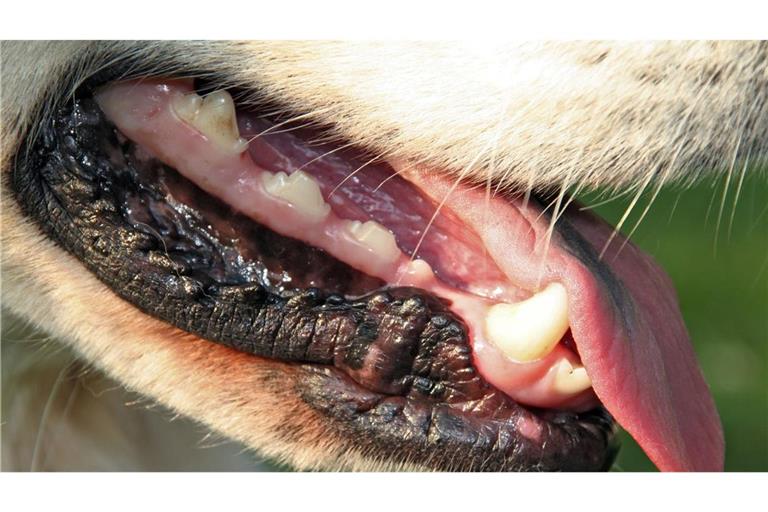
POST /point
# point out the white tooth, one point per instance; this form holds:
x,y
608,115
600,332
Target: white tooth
x,y
214,116
301,190
529,330
419,269
569,380
375,236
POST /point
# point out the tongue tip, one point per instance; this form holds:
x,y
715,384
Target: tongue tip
x,y
686,437
702,448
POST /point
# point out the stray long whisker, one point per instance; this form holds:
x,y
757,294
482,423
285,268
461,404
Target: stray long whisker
x,y
320,157
624,217
612,198
287,121
37,455
551,228
736,196
350,175
674,208
445,200
726,187
393,175
657,189
647,181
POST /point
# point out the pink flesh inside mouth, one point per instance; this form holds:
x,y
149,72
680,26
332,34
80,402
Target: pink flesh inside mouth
x,y
625,325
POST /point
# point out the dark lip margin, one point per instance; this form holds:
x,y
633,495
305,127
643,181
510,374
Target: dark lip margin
x,y
440,448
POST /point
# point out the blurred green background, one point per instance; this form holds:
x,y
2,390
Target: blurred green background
x,y
719,264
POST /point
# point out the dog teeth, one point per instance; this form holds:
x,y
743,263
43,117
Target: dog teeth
x,y
529,330
214,116
570,380
301,190
377,237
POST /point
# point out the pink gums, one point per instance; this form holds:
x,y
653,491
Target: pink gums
x,y
478,251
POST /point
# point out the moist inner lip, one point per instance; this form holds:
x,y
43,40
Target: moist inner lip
x,y
149,113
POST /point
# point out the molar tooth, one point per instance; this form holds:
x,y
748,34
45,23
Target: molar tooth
x,y
301,190
529,330
214,116
375,236
569,380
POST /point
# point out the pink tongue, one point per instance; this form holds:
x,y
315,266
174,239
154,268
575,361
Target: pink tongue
x,y
622,309
624,319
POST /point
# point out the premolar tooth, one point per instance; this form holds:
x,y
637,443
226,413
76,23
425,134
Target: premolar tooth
x,y
377,237
529,330
214,116
570,380
299,189
187,106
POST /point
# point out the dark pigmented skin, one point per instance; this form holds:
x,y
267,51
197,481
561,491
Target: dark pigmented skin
x,y
390,368
583,251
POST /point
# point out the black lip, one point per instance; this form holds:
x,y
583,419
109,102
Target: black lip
x,y
390,366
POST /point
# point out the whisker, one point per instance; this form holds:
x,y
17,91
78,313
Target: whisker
x,y
445,200
37,453
647,181
492,168
612,198
551,228
350,175
393,175
674,208
738,192
657,189
627,213
292,128
726,187
287,121
320,157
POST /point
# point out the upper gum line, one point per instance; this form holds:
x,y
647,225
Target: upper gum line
x,y
293,206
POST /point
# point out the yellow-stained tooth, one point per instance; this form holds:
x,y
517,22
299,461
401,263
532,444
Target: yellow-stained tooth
x,y
529,330
214,116
187,106
377,237
301,190
570,380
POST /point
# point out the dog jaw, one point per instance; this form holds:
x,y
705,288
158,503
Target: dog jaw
x,y
488,107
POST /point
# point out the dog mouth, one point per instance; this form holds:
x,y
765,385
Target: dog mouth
x,y
445,321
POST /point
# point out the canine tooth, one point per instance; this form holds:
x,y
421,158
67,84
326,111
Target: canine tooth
x,y
377,237
214,116
529,330
570,380
301,190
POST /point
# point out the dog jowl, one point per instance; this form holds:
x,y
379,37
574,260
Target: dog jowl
x,y
351,280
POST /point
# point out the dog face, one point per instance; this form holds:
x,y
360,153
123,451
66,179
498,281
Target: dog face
x,y
389,343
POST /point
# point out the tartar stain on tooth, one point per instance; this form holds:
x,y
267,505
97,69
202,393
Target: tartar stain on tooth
x,y
376,237
214,116
300,190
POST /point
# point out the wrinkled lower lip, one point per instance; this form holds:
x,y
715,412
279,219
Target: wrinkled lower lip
x,y
398,362
368,215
